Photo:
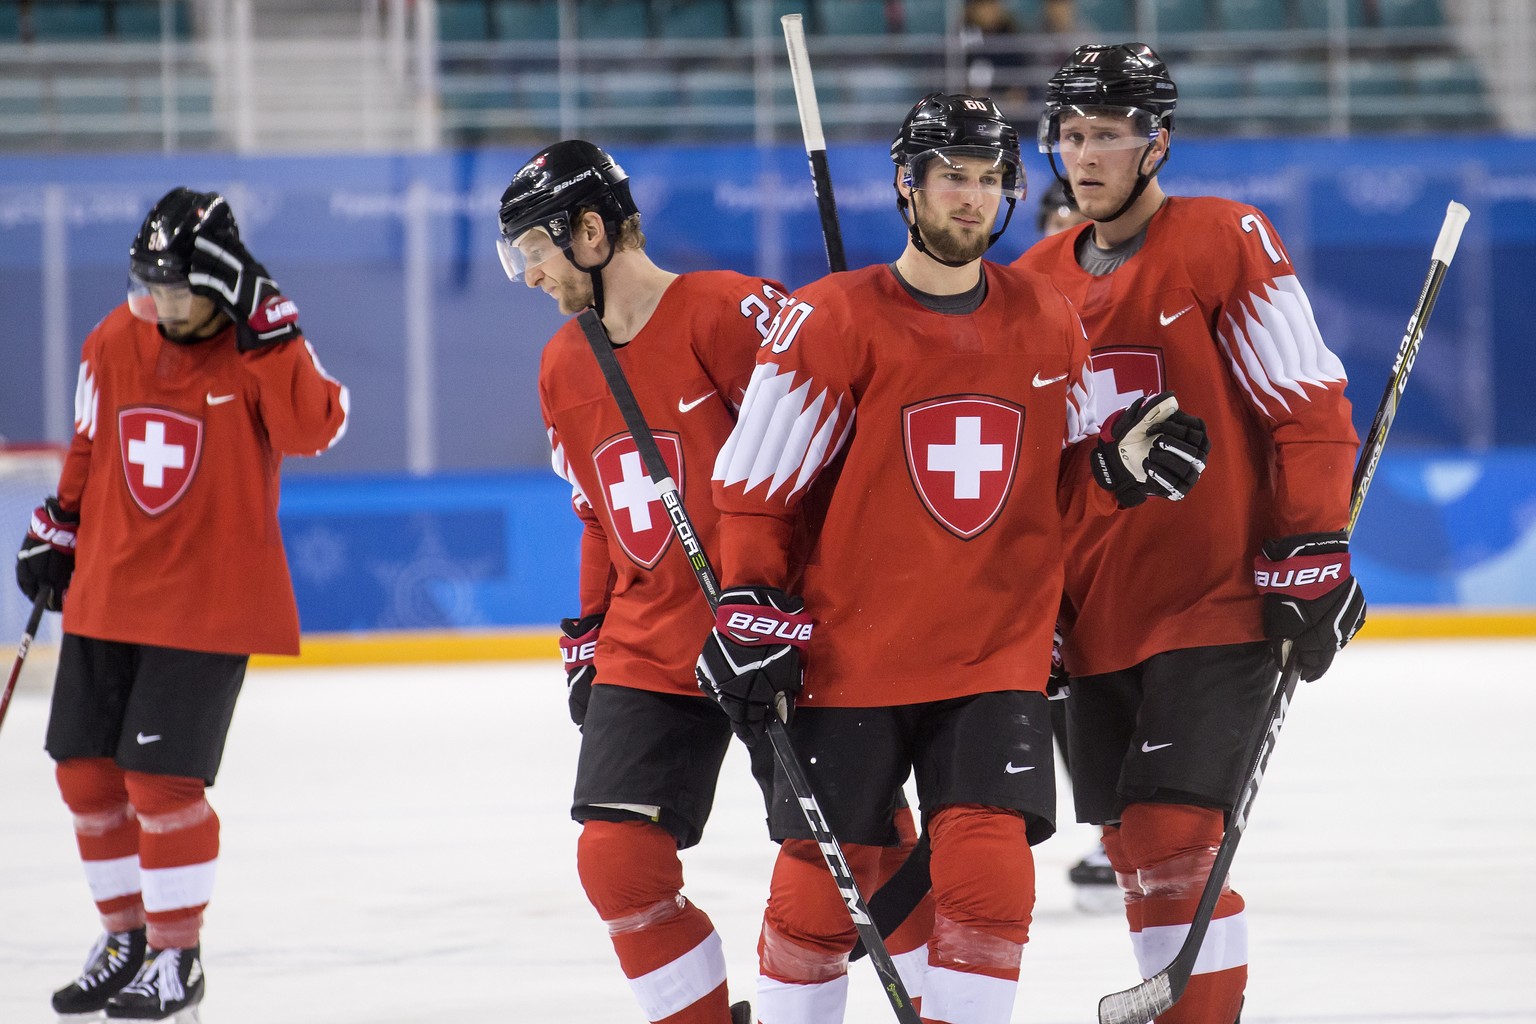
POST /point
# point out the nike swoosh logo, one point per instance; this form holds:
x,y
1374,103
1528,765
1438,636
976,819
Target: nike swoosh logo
x,y
683,406
1040,383
1013,769
1147,748
1166,320
147,739
214,399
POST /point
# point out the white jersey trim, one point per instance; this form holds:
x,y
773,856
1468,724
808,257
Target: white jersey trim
x,y
1277,348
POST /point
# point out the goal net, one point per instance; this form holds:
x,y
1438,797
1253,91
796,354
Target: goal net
x,y
28,474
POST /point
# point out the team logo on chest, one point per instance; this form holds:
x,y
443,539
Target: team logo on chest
x,y
638,518
962,453
1122,375
160,450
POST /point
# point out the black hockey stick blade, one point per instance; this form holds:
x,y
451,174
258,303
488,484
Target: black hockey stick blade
x,y
34,620
1155,996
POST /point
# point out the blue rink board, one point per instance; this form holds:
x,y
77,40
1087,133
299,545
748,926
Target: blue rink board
x,y
494,550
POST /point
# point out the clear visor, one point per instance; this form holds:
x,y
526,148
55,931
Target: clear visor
x,y
159,303
967,168
1070,131
528,250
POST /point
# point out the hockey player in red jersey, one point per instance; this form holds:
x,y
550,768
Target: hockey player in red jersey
x,y
1172,647
893,499
651,744
162,546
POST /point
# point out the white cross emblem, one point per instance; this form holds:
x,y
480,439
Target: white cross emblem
x,y
967,458
1108,397
634,493
154,456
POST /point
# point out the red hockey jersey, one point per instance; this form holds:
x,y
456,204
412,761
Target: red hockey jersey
x,y
1211,308
174,470
688,368
904,470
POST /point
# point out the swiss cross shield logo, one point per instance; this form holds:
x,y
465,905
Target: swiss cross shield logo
x,y
1122,375
962,451
636,514
160,451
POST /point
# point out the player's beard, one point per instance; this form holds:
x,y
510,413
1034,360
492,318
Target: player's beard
x,y
948,242
574,294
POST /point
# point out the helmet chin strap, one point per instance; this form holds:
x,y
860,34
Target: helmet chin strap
x,y
596,273
917,237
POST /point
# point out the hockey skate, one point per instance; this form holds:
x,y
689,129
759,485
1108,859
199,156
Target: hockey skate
x,y
112,963
167,988
1094,888
741,1013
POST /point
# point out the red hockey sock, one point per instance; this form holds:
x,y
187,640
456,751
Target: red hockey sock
x,y
984,892
1173,847
107,835
178,853
667,947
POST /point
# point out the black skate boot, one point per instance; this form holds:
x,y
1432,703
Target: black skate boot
x,y
113,962
741,1013
167,988
1094,888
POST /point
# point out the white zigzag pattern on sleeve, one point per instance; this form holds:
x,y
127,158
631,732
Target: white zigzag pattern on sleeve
x,y
776,437
1278,347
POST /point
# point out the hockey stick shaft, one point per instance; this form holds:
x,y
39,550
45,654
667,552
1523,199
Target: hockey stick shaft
x,y
34,620
783,748
1155,996
815,140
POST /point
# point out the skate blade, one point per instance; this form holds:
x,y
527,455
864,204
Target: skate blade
x,y
1098,899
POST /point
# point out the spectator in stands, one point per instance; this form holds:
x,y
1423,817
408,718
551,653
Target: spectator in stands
x,y
994,62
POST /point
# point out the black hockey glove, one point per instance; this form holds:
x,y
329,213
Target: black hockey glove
x,y
47,555
751,660
1310,598
1058,686
577,649
227,273
1150,449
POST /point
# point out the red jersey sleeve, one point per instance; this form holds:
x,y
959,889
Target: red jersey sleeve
x,y
77,463
303,408
796,416
1277,355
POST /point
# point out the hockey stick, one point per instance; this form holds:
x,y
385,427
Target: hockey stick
x,y
597,337
33,621
815,141
1156,995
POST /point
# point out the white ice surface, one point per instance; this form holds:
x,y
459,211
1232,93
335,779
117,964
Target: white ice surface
x,y
397,850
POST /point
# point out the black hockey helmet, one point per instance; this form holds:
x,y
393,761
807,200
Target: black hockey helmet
x,y
941,125
1114,75
1127,80
160,258
549,192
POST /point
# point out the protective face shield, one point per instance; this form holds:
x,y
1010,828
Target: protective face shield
x,y
158,292
1070,131
534,246
953,169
